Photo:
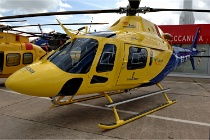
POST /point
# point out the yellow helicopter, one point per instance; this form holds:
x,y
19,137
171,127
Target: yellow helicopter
x,y
133,53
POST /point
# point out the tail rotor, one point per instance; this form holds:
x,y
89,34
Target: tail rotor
x,y
202,52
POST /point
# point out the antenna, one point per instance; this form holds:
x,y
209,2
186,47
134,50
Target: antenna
x,y
40,28
90,24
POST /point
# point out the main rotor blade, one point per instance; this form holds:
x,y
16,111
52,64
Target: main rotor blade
x,y
59,24
25,32
148,9
13,20
63,13
120,10
37,34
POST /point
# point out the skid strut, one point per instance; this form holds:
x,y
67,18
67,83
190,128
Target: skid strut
x,y
59,102
120,122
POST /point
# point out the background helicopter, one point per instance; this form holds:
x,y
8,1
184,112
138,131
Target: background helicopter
x,y
16,51
133,53
52,40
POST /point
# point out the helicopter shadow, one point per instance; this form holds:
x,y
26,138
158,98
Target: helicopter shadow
x,y
2,85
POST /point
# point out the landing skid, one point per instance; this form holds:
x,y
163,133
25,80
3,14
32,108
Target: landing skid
x,y
134,117
120,122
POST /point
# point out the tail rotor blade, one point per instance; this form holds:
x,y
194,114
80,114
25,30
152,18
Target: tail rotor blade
x,y
200,58
192,63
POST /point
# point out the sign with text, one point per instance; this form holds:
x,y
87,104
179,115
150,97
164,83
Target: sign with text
x,y
184,34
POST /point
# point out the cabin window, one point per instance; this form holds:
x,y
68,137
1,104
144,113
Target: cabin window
x,y
137,58
151,58
13,59
27,58
98,79
106,62
1,61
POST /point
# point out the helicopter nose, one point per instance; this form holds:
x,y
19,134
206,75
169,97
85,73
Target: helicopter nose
x,y
34,80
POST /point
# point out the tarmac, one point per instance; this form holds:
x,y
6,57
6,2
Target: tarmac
x,y
28,117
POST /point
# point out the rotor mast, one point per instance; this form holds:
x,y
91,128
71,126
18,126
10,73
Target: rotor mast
x,y
132,8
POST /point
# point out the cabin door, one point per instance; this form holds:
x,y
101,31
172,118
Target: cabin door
x,y
102,72
134,68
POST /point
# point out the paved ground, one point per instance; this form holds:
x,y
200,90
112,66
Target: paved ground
x,y
26,117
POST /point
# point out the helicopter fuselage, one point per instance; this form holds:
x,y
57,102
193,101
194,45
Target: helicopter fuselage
x,y
111,64
132,54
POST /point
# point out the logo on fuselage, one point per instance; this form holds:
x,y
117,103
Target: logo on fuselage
x,y
27,68
132,78
127,25
158,61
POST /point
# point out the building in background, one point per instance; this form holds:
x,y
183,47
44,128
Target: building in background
x,y
187,17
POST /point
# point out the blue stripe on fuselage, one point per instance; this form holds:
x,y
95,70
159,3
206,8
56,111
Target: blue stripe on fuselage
x,y
172,64
179,56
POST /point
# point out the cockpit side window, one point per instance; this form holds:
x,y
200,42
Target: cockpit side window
x,y
106,62
137,58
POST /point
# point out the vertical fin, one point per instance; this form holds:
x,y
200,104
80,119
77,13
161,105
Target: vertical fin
x,y
193,48
192,63
66,30
195,40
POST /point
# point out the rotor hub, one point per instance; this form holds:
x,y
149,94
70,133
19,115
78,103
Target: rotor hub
x,y
132,8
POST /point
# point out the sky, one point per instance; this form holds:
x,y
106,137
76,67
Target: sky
x,y
17,7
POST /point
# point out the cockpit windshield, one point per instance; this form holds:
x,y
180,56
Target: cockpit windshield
x,y
76,56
